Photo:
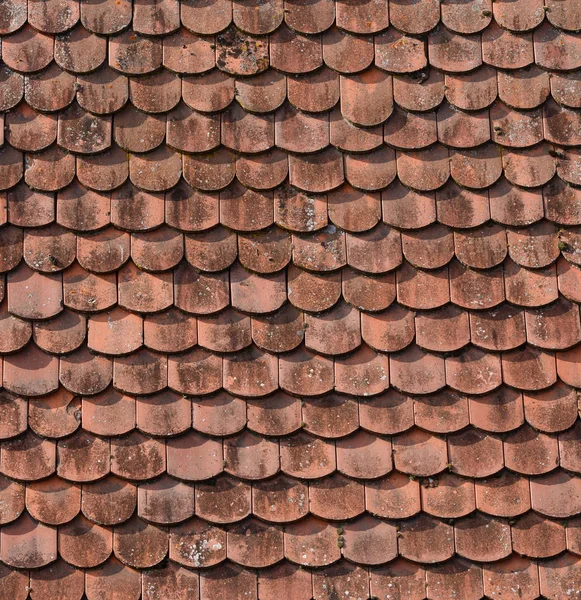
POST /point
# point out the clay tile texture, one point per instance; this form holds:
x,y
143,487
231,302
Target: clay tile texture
x,y
290,299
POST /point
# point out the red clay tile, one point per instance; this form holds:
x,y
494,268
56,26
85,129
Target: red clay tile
x,y
413,285
395,496
367,292
483,538
538,537
84,544
322,251
390,330
89,292
351,138
514,128
419,453
530,452
346,53
421,92
455,577
28,544
210,92
363,373
502,410
156,18
12,167
207,18
58,581
556,49
105,17
102,92
249,456
411,131
556,327
341,324
55,415
524,89
442,412
445,329
228,581
400,578
196,543
12,86
298,211
504,495
139,544
313,291
191,210
138,132
344,578
564,88
476,289
501,328
558,575
13,16
296,581
146,249
253,57
242,209
311,542
262,171
219,415
190,131
462,129
109,501
448,496
229,331
317,172
165,501
83,457
452,52
14,332
27,50
198,372
391,412
144,292
372,86
555,495
186,52
155,172
63,334
170,582
84,373
529,368
302,366
53,501
82,209
424,176
280,415
255,544
426,540
156,93
18,369
330,416
511,205
113,580
55,16
364,456
165,413
133,54
397,53
473,91
29,130
505,49
530,287
251,372
49,249
50,170
213,250
140,373
109,413
79,50
474,372
12,498
211,172
476,168
280,499
474,453
136,456
279,332
429,248
255,293
307,457
223,500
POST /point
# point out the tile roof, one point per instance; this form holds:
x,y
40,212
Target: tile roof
x,y
290,299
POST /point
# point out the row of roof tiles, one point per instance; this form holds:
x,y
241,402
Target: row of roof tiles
x,y
367,246
421,170
366,99
112,413
81,209
234,51
254,373
260,18
513,577
288,129
448,329
193,456
281,500
311,542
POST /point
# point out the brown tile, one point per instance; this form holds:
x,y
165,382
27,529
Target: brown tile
x,y
506,494
190,131
113,580
79,50
84,544
278,332
307,457
395,496
364,456
145,292
210,92
102,92
314,92
397,53
12,167
165,413
474,453
12,498
455,577
254,57
157,171
223,500
53,501
419,453
28,130
249,456
512,573
109,501
13,16
186,52
170,581
313,291
401,578
18,369
136,456
426,540
28,544
530,452
198,372
194,457
538,537
242,209
140,373
417,372
363,373
133,54
482,538
442,412
165,501
28,50
280,500
255,544
55,415
251,372
550,44
448,496
59,581
15,333
83,457
136,131
197,544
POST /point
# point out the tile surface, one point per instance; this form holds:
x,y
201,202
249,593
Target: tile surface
x,y
290,299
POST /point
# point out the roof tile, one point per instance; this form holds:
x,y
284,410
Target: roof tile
x,y
506,494
108,501
482,538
